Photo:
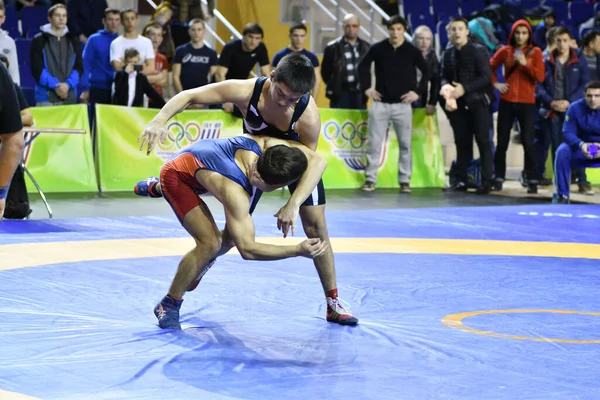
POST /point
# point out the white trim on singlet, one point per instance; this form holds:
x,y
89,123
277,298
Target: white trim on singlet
x,y
252,196
315,196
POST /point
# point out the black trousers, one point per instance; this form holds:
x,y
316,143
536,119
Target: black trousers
x,y
525,114
466,123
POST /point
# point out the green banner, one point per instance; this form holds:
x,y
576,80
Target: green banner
x,y
61,162
343,144
121,163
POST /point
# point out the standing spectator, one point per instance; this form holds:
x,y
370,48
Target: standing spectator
x,y
423,39
85,17
297,38
9,49
339,68
396,63
132,40
98,73
19,4
582,140
523,69
26,116
160,78
131,85
194,63
549,21
565,80
11,134
590,50
467,92
176,13
56,62
240,56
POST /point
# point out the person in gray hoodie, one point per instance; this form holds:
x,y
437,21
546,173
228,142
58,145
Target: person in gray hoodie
x,y
56,63
9,49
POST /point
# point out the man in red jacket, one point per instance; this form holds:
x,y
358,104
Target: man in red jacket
x,y
523,68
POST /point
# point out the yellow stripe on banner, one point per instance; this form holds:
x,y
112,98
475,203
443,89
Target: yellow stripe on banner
x,y
36,254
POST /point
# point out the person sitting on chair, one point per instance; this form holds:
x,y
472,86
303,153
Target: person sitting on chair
x,y
581,147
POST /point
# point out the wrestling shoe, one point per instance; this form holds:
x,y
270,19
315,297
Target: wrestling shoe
x,y
194,284
167,312
339,311
147,187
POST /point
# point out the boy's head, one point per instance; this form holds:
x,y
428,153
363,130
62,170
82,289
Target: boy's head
x,y
132,56
278,166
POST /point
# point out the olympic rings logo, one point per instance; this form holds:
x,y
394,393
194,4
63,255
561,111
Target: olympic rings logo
x,y
346,135
181,136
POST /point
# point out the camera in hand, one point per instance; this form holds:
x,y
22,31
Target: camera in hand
x,y
138,67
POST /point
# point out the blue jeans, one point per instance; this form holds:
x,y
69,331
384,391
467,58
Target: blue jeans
x,y
566,159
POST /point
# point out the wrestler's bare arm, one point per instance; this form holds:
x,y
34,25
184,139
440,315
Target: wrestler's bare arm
x,y
234,91
241,228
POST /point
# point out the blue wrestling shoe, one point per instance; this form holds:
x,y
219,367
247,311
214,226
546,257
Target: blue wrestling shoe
x,y
148,187
167,312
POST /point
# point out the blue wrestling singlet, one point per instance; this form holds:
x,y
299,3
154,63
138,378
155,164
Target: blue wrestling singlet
x,y
218,155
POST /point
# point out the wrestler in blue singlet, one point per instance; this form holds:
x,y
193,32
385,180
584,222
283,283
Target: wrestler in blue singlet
x,y
218,155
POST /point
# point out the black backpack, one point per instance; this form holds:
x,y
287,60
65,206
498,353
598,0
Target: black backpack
x,y
17,199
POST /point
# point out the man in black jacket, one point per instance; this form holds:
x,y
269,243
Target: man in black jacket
x,y
339,68
56,63
467,92
396,64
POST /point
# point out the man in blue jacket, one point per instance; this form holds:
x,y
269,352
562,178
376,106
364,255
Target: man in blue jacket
x,y
98,72
581,133
565,80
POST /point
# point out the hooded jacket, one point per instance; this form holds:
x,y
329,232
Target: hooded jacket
x,y
54,60
523,79
97,69
9,50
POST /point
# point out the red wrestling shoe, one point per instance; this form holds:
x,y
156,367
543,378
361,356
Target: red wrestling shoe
x,y
339,311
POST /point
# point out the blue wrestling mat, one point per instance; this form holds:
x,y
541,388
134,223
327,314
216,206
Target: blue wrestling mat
x,y
454,303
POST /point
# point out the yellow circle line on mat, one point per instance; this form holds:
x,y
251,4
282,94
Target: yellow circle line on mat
x,y
454,321
37,254
6,395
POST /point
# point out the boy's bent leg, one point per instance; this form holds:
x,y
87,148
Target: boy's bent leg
x,y
313,222
312,214
196,218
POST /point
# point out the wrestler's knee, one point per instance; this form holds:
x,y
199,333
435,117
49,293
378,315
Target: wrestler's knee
x,y
209,246
313,222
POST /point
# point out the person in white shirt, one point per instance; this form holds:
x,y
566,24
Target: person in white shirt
x,y
131,39
9,49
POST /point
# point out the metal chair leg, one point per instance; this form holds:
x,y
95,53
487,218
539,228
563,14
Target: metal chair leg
x,y
38,189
